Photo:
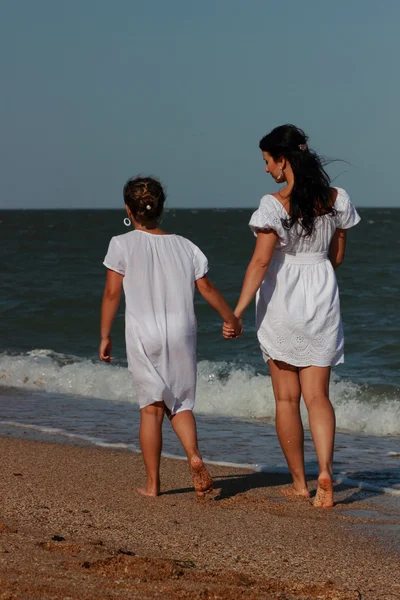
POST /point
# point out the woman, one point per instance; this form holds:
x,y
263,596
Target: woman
x,y
301,238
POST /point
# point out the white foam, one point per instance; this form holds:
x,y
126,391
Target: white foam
x,y
222,390
362,485
55,431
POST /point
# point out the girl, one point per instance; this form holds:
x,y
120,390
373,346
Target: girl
x,y
159,272
301,238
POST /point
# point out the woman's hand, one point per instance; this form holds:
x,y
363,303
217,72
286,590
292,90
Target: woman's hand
x,y
105,349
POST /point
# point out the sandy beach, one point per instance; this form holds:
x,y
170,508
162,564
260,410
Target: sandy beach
x,y
72,526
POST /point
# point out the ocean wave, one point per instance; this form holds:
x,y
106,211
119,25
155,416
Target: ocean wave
x,y
223,389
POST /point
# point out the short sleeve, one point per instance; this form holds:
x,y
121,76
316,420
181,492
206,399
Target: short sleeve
x,y
346,214
265,218
115,259
200,263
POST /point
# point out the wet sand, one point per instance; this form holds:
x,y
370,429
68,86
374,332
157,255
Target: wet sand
x,y
72,526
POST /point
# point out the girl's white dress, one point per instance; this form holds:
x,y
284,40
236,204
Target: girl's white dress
x,y
160,323
297,305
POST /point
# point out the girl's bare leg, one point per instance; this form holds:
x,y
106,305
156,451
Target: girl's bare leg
x,y
150,436
184,425
315,390
289,427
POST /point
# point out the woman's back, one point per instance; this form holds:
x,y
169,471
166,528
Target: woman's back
x,y
293,240
298,313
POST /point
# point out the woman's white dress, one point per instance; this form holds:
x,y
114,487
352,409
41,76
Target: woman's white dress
x,y
297,306
160,323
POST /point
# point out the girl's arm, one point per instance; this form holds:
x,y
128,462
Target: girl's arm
x,y
215,299
265,246
337,248
109,307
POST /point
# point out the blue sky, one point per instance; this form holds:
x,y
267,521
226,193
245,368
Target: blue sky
x,y
95,91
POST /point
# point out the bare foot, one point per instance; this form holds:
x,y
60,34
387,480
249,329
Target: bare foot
x,y
292,491
324,496
202,479
148,492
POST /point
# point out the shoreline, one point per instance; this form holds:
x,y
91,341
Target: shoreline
x,y
25,431
246,541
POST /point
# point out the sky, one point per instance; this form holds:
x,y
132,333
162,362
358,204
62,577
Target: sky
x,y
94,91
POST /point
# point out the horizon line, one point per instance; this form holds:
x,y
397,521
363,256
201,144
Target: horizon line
x,y
80,208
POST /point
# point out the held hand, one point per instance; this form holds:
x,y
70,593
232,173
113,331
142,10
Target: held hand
x,y
232,329
227,331
105,350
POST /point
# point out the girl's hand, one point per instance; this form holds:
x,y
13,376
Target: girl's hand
x,y
227,331
105,350
233,329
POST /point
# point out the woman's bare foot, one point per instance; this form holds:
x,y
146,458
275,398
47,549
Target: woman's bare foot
x,y
202,479
324,496
296,492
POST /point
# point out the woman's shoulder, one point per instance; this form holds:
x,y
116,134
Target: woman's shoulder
x,y
346,213
269,201
268,216
269,205
339,195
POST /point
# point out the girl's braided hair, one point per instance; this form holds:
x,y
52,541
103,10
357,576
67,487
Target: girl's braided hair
x,y
145,198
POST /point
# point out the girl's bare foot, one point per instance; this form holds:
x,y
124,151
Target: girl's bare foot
x,y
294,491
202,479
324,496
149,491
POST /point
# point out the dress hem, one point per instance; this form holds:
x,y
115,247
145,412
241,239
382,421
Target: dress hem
x,y
290,362
184,405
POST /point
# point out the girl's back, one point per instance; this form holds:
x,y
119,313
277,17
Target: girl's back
x,y
159,275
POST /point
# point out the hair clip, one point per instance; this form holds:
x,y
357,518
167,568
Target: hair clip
x,y
303,147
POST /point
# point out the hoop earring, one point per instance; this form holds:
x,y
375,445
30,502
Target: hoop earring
x,y
127,222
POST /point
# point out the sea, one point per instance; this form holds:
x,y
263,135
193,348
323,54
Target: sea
x,y
53,387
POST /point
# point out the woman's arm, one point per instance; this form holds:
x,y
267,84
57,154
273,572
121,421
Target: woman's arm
x,y
215,299
337,248
255,273
109,307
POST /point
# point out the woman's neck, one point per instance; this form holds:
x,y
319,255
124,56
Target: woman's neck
x,y
287,190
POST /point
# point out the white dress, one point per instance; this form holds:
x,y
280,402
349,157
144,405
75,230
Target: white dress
x,y
160,323
297,306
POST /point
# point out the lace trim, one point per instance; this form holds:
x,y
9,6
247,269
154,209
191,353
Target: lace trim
x,y
293,344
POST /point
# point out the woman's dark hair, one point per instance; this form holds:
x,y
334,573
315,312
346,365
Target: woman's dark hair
x,y
311,195
145,197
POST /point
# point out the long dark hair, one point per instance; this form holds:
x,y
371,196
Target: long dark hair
x,y
311,195
145,198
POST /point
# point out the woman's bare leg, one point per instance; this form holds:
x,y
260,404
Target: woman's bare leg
x,y
289,427
150,436
315,390
184,425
